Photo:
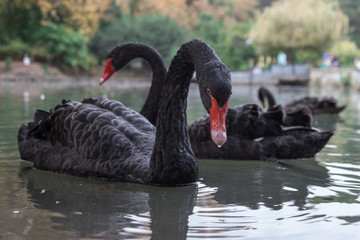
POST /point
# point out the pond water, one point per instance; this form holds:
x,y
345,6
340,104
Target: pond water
x,y
306,199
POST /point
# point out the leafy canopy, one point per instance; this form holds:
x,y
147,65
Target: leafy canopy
x,y
314,25
61,46
158,31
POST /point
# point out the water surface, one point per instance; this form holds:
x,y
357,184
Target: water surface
x,y
301,199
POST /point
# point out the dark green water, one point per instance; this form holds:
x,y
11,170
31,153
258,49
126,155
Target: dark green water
x,y
316,198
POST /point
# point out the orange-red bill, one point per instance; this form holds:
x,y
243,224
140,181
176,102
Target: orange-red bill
x,y
108,71
217,122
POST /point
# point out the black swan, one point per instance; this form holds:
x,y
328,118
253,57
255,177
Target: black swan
x,y
100,138
315,104
254,134
122,54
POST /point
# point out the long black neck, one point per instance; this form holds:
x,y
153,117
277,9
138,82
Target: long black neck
x,y
265,94
158,66
173,161
151,105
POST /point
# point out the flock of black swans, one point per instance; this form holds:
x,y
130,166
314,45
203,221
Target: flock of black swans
x,y
103,139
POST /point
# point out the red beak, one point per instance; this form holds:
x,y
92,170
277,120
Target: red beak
x,y
108,71
217,122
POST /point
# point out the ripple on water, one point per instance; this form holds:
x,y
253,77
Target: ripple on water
x,y
211,219
140,226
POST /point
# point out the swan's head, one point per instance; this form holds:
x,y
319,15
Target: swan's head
x,y
119,57
215,91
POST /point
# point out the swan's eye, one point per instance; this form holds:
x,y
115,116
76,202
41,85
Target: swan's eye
x,y
208,92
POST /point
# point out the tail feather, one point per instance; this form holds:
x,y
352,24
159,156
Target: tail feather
x,y
302,117
40,115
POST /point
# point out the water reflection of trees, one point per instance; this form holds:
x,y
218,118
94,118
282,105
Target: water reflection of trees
x,y
110,210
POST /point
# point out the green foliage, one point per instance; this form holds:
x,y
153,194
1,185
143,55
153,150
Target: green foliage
x,y
346,51
19,20
352,9
229,42
315,26
8,62
208,29
237,50
15,49
158,31
62,47
346,79
308,56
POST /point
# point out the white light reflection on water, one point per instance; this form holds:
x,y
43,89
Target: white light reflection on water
x,y
218,221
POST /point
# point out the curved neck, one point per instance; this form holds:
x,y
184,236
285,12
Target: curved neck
x,y
173,161
265,94
151,105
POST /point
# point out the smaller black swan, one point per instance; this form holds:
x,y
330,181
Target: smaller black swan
x,y
100,138
124,53
254,134
257,135
315,104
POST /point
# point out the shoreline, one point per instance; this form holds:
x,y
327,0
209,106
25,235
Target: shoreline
x,y
42,73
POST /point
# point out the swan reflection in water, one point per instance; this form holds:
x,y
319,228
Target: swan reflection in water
x,y
256,183
114,210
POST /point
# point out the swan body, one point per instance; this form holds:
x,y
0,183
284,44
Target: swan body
x,y
258,135
100,138
315,104
251,132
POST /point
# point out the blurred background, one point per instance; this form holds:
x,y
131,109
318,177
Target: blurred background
x,y
75,35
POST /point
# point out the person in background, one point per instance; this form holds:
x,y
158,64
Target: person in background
x,y
334,60
26,59
282,58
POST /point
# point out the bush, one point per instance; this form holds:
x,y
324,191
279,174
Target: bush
x,y
62,47
208,29
158,31
237,51
308,56
228,41
15,49
346,51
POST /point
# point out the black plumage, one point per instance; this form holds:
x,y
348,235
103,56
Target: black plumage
x,y
257,135
101,138
317,105
252,133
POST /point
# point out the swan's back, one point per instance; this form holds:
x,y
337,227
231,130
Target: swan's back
x,y
317,105
257,135
96,138
242,121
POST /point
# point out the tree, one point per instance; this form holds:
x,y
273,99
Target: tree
x,y
78,15
346,51
236,52
208,29
315,26
228,40
18,20
160,32
352,9
187,12
62,47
